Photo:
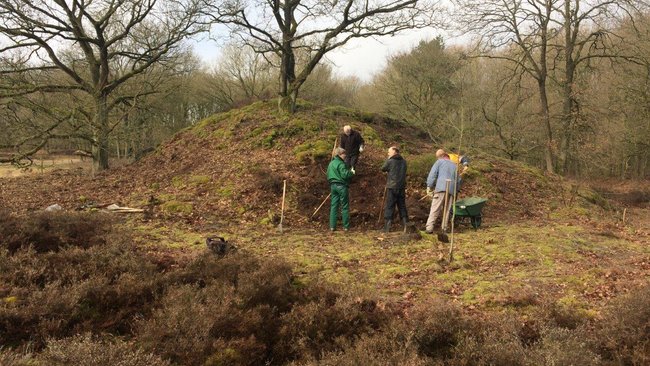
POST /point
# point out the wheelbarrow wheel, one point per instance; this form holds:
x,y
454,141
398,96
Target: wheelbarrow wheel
x,y
476,222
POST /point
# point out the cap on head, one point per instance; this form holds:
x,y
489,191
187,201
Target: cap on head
x,y
393,150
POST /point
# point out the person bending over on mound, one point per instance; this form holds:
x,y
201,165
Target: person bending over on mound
x,y
395,165
339,176
352,143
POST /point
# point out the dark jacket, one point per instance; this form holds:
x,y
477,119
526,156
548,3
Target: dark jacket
x,y
337,172
396,168
352,142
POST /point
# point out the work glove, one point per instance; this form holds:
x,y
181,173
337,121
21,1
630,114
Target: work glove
x,y
353,171
429,192
361,148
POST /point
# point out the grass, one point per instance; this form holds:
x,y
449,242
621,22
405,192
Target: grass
x,y
46,165
168,237
497,266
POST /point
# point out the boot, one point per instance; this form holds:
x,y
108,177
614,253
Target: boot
x,y
387,226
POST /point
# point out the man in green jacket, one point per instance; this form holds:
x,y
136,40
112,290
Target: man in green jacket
x,y
339,176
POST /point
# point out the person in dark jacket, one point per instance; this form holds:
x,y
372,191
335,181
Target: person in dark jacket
x,y
339,176
395,165
352,142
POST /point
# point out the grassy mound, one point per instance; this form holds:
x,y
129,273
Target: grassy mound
x,y
229,169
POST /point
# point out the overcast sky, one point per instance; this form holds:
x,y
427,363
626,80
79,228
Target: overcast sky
x,y
361,57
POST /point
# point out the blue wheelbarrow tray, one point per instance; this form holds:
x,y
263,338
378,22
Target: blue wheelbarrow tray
x,y
470,207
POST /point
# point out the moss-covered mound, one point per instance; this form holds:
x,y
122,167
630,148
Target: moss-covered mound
x,y
230,169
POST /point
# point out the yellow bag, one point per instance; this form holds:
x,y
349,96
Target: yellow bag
x,y
455,158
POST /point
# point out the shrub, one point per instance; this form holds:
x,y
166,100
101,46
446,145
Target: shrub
x,y
436,326
220,309
623,335
57,294
51,231
493,340
567,312
83,350
559,346
12,358
393,346
180,329
419,167
317,326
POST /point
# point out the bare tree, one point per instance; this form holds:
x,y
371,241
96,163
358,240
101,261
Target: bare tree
x,y
506,107
419,87
588,28
524,25
91,49
249,70
545,36
315,27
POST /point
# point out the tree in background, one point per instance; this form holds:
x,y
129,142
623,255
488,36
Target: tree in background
x,y
552,39
323,87
314,27
527,27
621,91
90,50
507,105
418,87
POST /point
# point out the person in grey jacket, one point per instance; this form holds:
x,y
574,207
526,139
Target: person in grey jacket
x,y
395,165
443,170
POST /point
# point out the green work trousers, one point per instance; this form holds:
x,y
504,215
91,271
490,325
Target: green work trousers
x,y
339,198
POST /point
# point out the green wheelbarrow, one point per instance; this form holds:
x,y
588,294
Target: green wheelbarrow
x,y
470,208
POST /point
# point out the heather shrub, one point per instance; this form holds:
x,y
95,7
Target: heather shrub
x,y
180,330
220,311
244,310
437,326
622,337
565,313
240,310
493,340
60,293
328,317
561,346
13,358
50,231
395,345
84,350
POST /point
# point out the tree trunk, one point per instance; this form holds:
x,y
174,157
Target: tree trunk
x,y
548,151
288,94
566,138
100,146
287,104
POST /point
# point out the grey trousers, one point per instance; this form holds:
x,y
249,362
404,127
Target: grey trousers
x,y
437,208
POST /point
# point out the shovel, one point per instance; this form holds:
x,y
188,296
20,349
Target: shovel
x,y
284,192
321,205
383,203
442,235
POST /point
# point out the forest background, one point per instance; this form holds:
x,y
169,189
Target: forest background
x,y
561,85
